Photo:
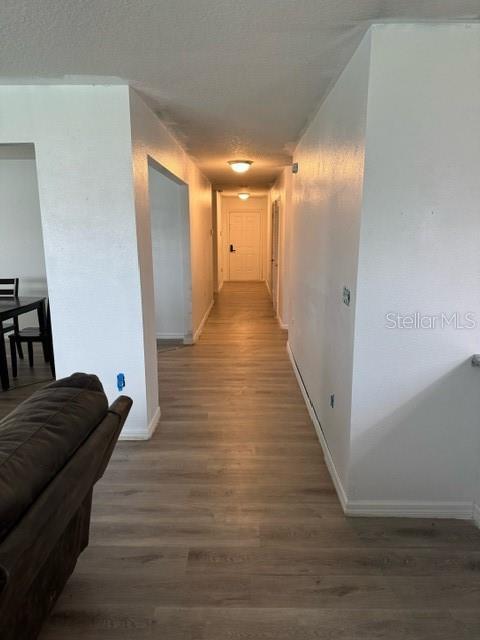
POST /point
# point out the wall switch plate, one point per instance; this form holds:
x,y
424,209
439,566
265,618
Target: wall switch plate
x,y
346,296
332,400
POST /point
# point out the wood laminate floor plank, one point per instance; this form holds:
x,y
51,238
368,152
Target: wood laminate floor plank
x,y
226,524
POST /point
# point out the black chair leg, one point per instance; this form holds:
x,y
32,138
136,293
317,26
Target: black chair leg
x,y
52,365
13,353
46,351
19,344
30,353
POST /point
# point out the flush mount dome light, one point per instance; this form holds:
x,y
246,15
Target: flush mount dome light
x,y
244,195
240,166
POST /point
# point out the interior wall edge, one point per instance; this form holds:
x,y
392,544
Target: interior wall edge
x,y
337,482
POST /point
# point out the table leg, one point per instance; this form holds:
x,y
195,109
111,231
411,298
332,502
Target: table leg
x,y
3,362
42,321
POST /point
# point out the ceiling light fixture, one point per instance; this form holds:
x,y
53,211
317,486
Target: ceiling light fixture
x,y
244,195
240,166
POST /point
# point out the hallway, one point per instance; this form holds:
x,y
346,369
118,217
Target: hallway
x,y
226,524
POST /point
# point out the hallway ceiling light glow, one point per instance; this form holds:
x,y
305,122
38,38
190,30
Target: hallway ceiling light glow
x,y
240,166
244,195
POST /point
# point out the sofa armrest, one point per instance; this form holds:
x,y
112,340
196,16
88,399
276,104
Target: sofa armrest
x,y
29,544
121,408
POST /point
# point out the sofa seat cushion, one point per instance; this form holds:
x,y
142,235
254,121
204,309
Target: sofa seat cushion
x,y
39,437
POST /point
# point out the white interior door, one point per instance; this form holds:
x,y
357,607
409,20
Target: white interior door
x,y
244,245
274,270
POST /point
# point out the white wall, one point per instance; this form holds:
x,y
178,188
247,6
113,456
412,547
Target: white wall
x,y
254,203
416,400
150,138
84,165
167,242
96,229
386,202
324,229
282,191
21,242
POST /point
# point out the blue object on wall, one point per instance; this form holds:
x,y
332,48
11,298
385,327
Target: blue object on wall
x,y
120,381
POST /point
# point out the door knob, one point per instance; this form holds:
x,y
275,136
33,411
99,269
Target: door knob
x,y
232,250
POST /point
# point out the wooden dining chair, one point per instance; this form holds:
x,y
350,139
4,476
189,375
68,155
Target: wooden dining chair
x,y
31,335
9,291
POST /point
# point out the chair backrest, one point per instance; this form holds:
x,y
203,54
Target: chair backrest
x,y
8,288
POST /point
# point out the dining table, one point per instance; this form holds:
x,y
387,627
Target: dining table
x,y
11,308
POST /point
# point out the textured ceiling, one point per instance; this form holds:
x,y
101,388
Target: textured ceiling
x,y
231,78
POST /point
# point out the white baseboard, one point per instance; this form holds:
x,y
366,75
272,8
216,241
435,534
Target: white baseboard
x,y
170,336
199,330
143,435
326,452
381,508
476,515
409,509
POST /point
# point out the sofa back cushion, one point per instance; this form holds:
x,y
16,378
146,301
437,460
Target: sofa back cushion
x,y
39,437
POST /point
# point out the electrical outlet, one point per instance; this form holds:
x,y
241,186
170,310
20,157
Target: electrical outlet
x,y
332,400
346,296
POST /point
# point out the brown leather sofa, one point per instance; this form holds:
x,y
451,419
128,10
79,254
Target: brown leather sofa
x,y
53,449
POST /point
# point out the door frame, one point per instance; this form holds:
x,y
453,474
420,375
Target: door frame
x,y
184,213
274,283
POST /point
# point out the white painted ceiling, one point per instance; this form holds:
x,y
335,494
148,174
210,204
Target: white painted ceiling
x,y
231,78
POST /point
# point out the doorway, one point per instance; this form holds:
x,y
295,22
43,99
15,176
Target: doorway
x,y
170,230
275,253
27,360
244,248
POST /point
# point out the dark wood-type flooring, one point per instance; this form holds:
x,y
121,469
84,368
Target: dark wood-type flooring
x,y
226,526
